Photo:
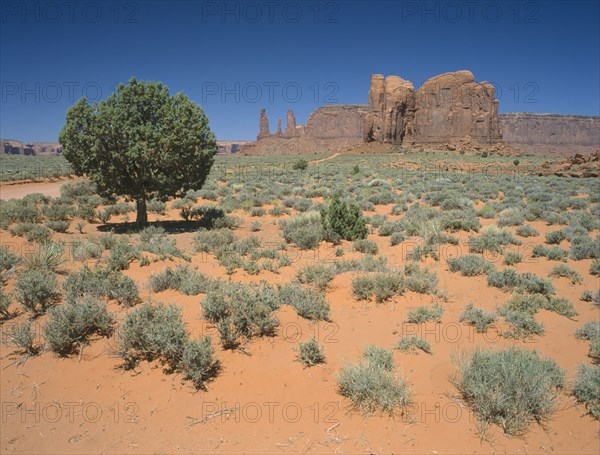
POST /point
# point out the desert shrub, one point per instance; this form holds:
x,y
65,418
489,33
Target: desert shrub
x,y
182,278
5,301
522,324
185,208
585,389
58,225
512,258
104,215
343,221
563,270
591,331
372,388
279,210
300,165
32,232
318,275
73,324
155,240
36,289
555,237
310,353
255,226
589,296
240,311
364,264
383,285
365,246
470,265
412,344
111,284
421,281
197,361
48,256
587,249
304,230
595,267
487,211
121,254
423,314
396,238
510,387
511,217
492,239
152,332
379,357
227,221
560,306
8,259
308,303
477,317
24,337
390,227
156,206
210,241
82,250
508,279
554,253
526,231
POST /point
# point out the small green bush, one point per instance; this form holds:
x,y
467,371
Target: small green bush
x,y
595,267
300,165
121,254
382,285
396,238
58,225
512,258
586,387
522,325
477,317
554,253
555,237
72,324
5,301
420,280
511,217
308,303
343,221
423,314
591,332
492,239
154,240
510,388
36,289
510,279
8,259
310,353
526,231
412,344
32,232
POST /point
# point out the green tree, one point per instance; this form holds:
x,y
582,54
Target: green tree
x,y
343,221
141,143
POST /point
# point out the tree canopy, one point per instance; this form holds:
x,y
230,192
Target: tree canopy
x,y
141,143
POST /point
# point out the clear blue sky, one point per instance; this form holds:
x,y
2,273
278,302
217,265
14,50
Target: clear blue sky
x,y
543,56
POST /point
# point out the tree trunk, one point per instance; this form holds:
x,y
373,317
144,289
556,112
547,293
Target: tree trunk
x,y
142,214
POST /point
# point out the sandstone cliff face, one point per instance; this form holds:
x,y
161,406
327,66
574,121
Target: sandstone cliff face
x,y
336,122
290,126
391,110
263,126
453,107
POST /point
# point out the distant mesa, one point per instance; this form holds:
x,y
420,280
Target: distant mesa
x,y
449,112
13,147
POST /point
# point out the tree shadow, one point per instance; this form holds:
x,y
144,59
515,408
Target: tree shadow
x,y
170,226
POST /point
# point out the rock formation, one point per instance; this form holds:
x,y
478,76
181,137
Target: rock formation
x,y
278,133
337,121
290,126
12,147
551,134
263,126
454,108
391,110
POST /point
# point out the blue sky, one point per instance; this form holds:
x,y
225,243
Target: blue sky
x,y
236,57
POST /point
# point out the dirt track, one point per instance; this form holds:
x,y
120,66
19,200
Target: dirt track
x,y
12,191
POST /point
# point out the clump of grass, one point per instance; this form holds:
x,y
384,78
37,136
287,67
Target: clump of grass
x,y
522,325
526,231
591,332
554,253
589,296
304,230
510,279
379,357
563,270
366,246
510,388
492,239
372,388
310,353
555,237
478,318
420,280
424,314
49,256
586,388
470,265
24,337
308,302
413,344
100,282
